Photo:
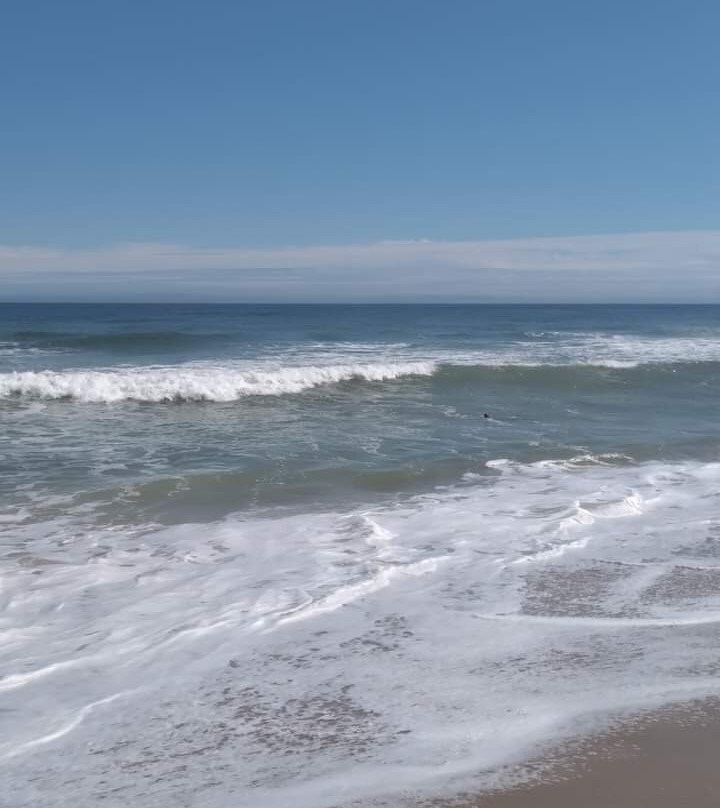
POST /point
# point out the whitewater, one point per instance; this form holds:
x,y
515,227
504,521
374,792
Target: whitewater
x,y
195,382
292,371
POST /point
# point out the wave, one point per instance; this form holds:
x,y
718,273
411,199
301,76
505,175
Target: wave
x,y
121,341
528,348
230,382
14,350
193,382
595,349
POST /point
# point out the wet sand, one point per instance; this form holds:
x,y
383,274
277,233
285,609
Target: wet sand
x,y
668,760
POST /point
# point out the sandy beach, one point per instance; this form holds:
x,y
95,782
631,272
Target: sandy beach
x,y
665,760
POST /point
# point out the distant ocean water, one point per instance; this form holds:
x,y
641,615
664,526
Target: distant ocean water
x,y
263,555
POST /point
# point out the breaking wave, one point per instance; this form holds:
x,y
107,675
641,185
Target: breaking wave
x,y
227,382
193,382
544,359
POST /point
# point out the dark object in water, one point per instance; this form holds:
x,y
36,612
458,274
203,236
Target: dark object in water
x,y
485,415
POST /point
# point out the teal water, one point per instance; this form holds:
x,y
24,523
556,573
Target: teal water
x,y
317,404
233,538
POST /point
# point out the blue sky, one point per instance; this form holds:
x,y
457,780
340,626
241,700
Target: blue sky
x,y
229,126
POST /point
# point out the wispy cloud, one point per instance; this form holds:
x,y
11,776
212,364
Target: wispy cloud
x,y
625,266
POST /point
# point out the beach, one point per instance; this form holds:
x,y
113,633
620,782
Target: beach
x,y
665,760
337,556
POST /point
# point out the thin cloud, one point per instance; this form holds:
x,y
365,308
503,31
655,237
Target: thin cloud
x,y
634,266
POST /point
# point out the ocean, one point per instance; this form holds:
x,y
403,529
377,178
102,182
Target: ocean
x,y
345,555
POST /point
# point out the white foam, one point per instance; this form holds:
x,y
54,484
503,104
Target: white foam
x,y
310,365
344,595
611,350
194,382
605,622
61,731
13,681
334,657
599,350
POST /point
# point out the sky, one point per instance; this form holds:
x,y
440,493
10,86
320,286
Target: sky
x,y
324,150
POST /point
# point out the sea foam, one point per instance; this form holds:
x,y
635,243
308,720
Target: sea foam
x,y
305,366
194,382
309,652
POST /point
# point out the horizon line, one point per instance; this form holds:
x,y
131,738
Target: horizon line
x,y
353,303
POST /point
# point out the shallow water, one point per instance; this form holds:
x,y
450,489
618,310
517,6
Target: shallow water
x,y
254,554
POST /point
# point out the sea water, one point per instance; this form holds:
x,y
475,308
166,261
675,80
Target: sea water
x,y
345,555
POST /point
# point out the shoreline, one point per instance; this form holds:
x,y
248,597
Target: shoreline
x,y
669,758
